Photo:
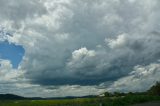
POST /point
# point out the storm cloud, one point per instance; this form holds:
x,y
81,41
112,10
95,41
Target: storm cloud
x,y
86,43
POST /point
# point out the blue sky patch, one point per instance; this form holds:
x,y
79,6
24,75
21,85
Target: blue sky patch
x,y
12,52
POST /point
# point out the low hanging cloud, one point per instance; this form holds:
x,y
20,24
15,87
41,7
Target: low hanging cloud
x,y
7,73
86,43
141,79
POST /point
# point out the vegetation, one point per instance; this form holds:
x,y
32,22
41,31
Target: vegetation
x,y
155,90
117,101
110,99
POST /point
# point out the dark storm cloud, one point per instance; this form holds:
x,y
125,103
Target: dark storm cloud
x,y
72,50
87,42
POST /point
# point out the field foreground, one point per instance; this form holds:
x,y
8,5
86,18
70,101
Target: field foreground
x,y
105,101
148,104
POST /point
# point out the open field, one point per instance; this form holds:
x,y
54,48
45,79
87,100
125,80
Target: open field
x,y
106,101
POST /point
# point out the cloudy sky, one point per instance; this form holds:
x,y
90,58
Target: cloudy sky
x,y
78,47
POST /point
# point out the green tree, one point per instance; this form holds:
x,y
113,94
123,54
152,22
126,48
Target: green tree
x,y
107,94
155,90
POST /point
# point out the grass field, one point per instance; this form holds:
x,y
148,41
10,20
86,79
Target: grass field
x,y
106,101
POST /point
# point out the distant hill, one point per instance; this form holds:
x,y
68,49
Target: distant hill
x,y
16,97
10,97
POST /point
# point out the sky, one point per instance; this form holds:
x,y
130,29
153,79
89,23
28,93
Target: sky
x,y
57,48
12,53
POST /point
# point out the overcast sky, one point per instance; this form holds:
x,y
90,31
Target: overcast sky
x,y
78,47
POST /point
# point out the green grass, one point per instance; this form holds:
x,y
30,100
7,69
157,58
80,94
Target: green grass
x,y
130,99
107,101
